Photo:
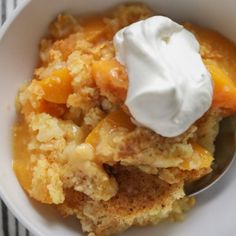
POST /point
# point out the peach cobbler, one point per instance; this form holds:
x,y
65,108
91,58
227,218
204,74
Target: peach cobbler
x,y
78,145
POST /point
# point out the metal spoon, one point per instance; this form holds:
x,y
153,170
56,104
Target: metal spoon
x,y
224,155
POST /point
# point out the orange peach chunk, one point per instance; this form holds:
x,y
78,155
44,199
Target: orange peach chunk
x,y
224,89
219,55
57,87
53,109
111,78
115,119
94,28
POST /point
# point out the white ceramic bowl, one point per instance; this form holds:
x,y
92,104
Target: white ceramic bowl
x,y
215,213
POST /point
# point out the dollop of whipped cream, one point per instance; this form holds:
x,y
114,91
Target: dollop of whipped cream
x,y
169,86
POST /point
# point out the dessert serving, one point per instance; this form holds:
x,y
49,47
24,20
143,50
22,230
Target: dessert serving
x,y
122,111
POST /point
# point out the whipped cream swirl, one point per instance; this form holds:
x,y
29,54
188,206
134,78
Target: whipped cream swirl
x,y
169,85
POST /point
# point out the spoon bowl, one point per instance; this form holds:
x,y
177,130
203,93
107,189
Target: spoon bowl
x,y
224,155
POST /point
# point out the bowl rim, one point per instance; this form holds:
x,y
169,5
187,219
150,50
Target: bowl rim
x,y
10,205
12,17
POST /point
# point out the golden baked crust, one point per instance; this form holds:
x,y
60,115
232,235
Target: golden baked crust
x,y
142,147
142,199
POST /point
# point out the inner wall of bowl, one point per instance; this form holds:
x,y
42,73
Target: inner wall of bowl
x,y
18,57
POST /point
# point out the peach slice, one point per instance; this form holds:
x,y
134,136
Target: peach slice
x,y
115,119
57,87
53,109
111,78
94,28
224,89
219,55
